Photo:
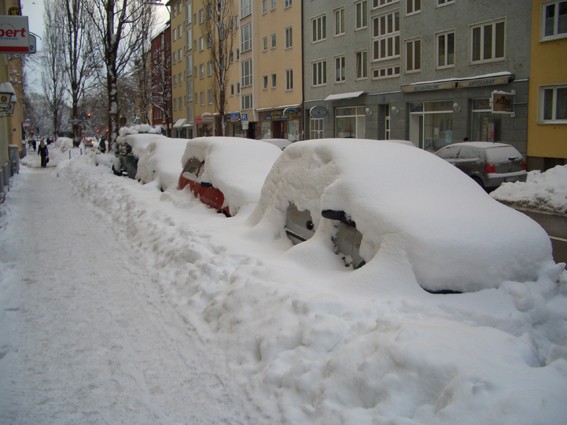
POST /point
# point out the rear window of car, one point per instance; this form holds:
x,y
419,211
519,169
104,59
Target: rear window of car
x,y
499,154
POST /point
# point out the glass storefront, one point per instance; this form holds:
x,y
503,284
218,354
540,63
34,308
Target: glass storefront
x,y
431,124
486,126
350,122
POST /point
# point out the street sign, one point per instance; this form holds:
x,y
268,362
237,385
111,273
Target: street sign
x,y
244,117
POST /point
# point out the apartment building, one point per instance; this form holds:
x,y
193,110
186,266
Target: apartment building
x,y
160,80
178,11
429,71
547,116
276,35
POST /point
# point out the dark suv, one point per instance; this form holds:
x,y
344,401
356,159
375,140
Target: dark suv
x,y
489,164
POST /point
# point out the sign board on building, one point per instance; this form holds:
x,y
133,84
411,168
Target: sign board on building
x,y
482,82
14,34
502,102
244,117
318,112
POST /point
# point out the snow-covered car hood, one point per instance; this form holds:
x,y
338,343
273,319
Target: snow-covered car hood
x,y
455,236
235,165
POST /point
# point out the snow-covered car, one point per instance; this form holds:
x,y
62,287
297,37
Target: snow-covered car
x,y
226,173
158,158
370,197
127,148
489,164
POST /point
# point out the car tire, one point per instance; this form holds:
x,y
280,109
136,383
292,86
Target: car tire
x,y
479,182
116,173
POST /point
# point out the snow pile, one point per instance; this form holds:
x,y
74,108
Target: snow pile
x,y
545,191
312,342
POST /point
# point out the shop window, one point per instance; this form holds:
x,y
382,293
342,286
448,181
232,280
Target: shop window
x,y
350,122
486,126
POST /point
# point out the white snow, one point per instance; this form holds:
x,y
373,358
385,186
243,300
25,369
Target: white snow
x,y
307,341
545,191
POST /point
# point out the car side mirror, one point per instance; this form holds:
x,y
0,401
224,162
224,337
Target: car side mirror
x,y
338,216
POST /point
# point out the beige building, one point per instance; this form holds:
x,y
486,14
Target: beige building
x,y
277,71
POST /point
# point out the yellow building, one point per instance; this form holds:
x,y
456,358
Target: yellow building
x,y
277,70
547,116
11,111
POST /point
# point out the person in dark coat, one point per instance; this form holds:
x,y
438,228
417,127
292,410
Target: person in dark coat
x,y
44,153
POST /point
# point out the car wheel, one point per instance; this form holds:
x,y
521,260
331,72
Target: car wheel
x,y
116,173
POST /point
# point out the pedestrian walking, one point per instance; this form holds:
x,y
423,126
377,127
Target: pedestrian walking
x,y
44,153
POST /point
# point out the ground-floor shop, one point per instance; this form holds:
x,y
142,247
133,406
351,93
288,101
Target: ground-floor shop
x,y
430,115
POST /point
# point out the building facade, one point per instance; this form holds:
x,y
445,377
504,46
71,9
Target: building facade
x,y
418,70
547,115
160,80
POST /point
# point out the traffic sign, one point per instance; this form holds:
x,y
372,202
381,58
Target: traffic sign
x,y
244,117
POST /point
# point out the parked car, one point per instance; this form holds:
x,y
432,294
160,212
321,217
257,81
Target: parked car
x,y
489,164
226,173
371,198
125,163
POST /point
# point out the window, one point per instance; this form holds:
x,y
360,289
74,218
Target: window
x,y
319,77
246,37
386,36
209,68
265,43
380,3
361,59
273,41
350,122
387,72
288,3
487,42
247,73
413,6
288,37
201,43
319,28
246,101
201,16
274,81
340,64
340,21
413,55
361,15
202,71
264,7
553,104
444,2
554,19
289,79
445,50
274,2
245,8
316,128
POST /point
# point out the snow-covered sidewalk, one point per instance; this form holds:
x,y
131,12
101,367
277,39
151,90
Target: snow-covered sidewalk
x,y
86,337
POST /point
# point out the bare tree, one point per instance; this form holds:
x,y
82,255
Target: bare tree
x,y
120,34
53,79
80,61
221,30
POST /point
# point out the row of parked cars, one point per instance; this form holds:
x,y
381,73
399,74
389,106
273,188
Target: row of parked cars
x,y
364,197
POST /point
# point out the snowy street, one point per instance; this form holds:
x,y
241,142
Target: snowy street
x,y
85,335
131,303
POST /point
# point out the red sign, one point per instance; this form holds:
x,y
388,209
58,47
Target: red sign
x,y
14,34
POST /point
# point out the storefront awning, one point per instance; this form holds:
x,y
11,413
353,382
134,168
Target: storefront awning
x,y
340,96
179,123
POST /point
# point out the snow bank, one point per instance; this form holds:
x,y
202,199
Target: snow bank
x,y
311,342
545,191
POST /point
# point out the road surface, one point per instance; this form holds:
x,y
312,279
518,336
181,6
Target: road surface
x,y
556,228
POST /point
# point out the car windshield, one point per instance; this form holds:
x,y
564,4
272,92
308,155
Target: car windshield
x,y
500,154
